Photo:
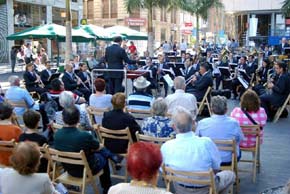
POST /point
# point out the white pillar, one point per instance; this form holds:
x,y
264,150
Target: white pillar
x,y
248,31
272,33
10,22
48,21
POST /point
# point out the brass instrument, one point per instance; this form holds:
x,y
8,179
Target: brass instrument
x,y
224,54
254,52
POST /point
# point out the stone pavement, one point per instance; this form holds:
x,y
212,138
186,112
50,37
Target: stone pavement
x,y
275,151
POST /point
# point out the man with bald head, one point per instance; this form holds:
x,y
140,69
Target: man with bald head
x,y
188,152
284,44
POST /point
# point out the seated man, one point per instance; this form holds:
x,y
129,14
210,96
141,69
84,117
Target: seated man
x,y
180,98
280,89
201,83
71,139
140,100
221,127
192,153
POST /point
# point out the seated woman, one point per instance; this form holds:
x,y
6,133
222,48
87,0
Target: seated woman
x,y
31,120
100,99
22,178
159,124
250,107
117,119
8,130
66,99
32,80
143,162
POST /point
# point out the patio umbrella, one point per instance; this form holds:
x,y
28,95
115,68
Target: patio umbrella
x,y
128,33
96,31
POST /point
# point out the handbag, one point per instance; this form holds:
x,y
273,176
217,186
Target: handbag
x,y
251,119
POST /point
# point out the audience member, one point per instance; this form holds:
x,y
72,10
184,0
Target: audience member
x,y
100,99
180,98
159,124
250,113
221,127
31,120
140,100
22,177
8,131
192,153
71,139
143,162
117,119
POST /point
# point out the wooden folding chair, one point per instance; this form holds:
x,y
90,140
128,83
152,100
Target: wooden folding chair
x,y
205,101
7,146
73,158
255,150
123,134
139,115
18,104
205,178
230,146
281,109
92,112
156,140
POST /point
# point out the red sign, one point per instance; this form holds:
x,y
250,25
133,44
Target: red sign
x,y
135,21
188,24
287,21
186,32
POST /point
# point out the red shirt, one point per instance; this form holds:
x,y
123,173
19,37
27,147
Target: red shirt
x,y
132,49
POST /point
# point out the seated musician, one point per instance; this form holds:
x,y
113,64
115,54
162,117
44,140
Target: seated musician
x,y
235,83
73,83
85,76
32,80
46,74
252,65
160,71
280,90
190,70
140,100
150,76
262,76
183,58
216,72
202,82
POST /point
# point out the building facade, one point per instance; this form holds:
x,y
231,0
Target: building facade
x,y
167,25
18,15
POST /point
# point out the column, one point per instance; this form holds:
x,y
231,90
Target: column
x,y
10,28
272,33
247,36
48,21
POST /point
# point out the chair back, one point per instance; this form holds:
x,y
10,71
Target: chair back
x,y
156,140
204,178
92,111
139,115
228,146
205,101
252,130
18,104
7,146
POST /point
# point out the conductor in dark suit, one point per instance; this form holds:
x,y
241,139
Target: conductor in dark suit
x,y
201,83
115,57
280,89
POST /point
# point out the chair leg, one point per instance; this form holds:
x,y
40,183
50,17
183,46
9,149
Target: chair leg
x,y
93,182
254,166
278,114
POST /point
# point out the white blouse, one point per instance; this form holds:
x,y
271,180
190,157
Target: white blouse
x,y
127,188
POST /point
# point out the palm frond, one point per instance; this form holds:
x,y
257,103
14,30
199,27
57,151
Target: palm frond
x,y
286,8
132,5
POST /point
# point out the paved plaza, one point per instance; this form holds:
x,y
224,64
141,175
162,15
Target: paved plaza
x,y
275,152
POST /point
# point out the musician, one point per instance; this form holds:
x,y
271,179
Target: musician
x,y
251,66
280,90
37,65
202,82
216,72
115,55
209,58
161,66
282,46
190,70
45,75
84,75
262,76
151,77
267,52
232,59
183,58
73,84
32,80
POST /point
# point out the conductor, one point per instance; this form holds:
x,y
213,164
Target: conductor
x,y
115,57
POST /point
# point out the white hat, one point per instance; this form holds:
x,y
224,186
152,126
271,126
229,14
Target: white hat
x,y
141,82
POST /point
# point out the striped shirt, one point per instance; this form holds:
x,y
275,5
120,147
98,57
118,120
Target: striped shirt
x,y
139,101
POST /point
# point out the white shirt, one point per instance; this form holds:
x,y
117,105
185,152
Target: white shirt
x,y
166,47
188,152
180,98
27,52
183,46
127,188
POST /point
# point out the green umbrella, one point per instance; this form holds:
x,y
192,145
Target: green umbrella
x,y
126,32
96,31
50,31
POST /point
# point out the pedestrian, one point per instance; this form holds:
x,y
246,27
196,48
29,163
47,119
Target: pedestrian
x,y
28,53
13,54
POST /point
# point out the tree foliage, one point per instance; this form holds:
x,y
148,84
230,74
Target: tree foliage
x,y
286,8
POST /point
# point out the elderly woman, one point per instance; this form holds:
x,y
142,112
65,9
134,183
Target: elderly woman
x,y
159,124
100,99
143,162
22,178
117,119
8,130
66,99
250,110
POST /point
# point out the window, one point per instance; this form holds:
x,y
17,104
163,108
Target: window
x,y
163,15
90,9
114,8
173,16
106,10
110,8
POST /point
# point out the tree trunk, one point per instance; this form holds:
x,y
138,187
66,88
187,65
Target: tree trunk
x,y
197,31
150,46
68,38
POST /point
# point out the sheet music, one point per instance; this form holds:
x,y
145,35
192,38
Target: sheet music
x,y
244,83
168,80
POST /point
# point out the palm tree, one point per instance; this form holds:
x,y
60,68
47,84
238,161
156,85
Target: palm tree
x,y
132,5
286,7
200,8
68,39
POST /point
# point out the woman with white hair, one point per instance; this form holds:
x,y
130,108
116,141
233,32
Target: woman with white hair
x,y
66,99
159,124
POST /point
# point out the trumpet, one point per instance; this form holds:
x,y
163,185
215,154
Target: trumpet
x,y
188,81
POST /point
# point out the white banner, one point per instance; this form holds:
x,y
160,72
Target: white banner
x,y
253,27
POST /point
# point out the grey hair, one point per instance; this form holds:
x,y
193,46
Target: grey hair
x,y
66,99
179,83
219,105
159,107
182,120
12,79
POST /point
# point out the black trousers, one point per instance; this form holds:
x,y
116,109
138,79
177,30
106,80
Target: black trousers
x,y
37,89
266,100
115,85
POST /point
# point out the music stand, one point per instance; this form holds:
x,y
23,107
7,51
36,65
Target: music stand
x,y
225,71
287,51
233,65
244,75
